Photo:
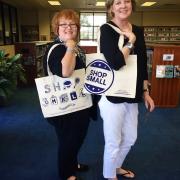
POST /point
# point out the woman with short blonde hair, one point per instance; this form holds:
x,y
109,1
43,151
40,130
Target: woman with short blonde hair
x,y
120,114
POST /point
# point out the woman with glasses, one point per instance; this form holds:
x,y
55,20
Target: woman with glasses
x,y
120,114
66,57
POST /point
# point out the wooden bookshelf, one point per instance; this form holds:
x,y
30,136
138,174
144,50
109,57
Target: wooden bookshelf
x,y
162,33
32,59
30,33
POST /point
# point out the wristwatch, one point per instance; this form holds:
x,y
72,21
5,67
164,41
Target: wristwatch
x,y
129,45
72,50
146,90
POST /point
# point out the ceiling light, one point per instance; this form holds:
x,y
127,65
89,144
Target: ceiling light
x,y
100,3
54,3
148,3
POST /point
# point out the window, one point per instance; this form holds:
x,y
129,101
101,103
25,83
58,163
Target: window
x,y
8,24
15,33
90,23
1,29
7,32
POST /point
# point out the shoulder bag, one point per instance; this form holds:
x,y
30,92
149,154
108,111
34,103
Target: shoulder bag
x,y
101,79
60,96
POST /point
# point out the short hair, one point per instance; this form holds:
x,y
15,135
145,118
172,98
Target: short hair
x,y
67,14
109,3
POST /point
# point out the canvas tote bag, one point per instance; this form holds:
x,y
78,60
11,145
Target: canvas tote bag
x,y
100,79
60,96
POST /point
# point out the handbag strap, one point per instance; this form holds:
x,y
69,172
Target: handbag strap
x,y
121,37
50,50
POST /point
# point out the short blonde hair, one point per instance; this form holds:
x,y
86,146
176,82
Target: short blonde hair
x,y
109,3
67,14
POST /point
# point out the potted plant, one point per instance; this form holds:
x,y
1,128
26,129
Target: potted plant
x,y
11,71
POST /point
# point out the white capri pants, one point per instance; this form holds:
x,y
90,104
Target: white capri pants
x,y
120,133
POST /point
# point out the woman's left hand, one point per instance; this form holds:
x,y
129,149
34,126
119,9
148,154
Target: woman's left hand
x,y
149,103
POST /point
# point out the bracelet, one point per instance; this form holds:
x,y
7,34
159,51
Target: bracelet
x,y
72,50
129,45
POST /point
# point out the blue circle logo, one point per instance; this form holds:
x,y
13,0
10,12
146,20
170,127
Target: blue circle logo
x,y
99,77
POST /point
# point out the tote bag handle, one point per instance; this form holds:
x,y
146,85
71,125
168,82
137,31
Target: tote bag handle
x,y
50,50
121,38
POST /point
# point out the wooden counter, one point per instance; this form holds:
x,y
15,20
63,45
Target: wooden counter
x,y
165,91
89,46
89,49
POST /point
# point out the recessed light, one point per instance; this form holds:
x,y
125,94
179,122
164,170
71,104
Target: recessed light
x,y
54,3
99,3
148,3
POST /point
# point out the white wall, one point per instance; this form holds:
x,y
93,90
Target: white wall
x,y
44,25
9,49
43,18
156,18
28,17
136,18
161,19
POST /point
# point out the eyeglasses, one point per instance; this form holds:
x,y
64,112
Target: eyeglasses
x,y
64,26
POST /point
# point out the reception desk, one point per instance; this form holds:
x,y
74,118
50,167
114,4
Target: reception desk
x,y
165,90
89,46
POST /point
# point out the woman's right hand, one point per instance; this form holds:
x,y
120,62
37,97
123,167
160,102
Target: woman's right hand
x,y
130,35
70,44
69,59
131,38
149,103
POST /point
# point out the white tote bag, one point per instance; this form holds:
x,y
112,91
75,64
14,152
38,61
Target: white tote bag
x,y
60,96
101,79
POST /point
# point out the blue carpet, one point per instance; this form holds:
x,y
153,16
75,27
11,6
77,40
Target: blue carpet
x,y
28,144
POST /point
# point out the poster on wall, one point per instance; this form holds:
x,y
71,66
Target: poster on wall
x,y
169,71
164,71
177,71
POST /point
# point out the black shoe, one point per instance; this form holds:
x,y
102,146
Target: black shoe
x,y
82,167
77,178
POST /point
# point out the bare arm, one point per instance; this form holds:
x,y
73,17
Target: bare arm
x,y
149,103
69,59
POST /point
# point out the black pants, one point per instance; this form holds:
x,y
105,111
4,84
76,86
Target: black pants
x,y
71,130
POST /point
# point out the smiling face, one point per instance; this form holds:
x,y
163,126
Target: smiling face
x,y
67,29
65,24
121,9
